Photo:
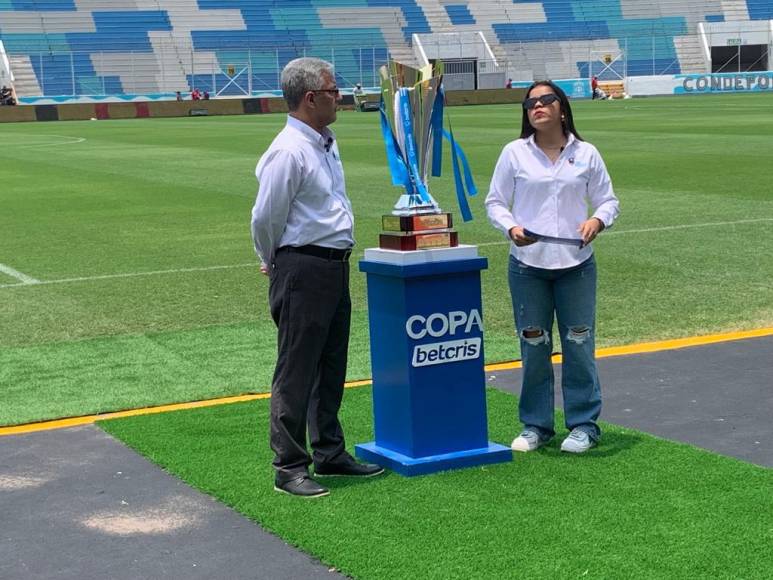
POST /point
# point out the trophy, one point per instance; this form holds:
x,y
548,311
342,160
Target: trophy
x,y
412,127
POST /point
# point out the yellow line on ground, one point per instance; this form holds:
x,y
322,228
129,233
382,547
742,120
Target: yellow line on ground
x,y
89,419
644,347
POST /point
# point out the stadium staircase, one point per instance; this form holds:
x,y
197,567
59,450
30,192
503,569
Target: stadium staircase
x,y
25,81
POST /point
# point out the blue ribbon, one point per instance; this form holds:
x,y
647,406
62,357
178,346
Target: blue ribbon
x,y
464,207
437,131
410,145
394,157
469,181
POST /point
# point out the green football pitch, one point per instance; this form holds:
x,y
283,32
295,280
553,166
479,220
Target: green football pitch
x,y
128,278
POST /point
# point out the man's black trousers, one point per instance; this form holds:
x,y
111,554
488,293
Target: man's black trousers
x,y
311,306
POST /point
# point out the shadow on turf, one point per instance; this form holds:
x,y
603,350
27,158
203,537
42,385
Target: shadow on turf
x,y
343,482
611,444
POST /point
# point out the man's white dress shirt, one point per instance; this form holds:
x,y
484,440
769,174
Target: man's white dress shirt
x,y
530,191
301,195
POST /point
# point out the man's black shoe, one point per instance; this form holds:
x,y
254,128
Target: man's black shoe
x,y
302,486
349,468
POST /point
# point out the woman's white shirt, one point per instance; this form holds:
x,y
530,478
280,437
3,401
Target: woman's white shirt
x,y
553,199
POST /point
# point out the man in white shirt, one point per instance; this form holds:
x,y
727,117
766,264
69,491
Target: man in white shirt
x,y
302,226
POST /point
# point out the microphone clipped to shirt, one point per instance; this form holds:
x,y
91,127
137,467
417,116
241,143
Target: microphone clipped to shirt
x,y
571,159
328,144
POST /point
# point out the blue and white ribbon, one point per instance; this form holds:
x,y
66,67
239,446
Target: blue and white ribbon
x,y
397,166
406,116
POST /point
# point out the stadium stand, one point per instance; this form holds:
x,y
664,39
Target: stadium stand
x,y
237,47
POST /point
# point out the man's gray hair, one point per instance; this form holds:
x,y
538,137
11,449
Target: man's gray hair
x,y
301,76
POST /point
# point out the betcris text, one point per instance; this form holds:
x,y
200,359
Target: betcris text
x,y
445,326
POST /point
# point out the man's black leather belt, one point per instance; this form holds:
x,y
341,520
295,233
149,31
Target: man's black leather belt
x,y
320,252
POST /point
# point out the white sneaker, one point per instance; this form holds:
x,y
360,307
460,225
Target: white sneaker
x,y
527,441
577,442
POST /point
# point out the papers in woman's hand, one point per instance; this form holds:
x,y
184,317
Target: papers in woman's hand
x,y
554,240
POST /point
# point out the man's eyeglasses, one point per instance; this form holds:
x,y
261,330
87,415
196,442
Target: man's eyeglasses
x,y
546,100
335,91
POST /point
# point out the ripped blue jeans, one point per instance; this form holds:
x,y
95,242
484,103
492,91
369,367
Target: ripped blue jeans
x,y
570,293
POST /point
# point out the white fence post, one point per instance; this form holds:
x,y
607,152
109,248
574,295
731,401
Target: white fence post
x,y
72,73
278,72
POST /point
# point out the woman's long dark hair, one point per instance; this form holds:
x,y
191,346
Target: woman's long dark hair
x,y
567,124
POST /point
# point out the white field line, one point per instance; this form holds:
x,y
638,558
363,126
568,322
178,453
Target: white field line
x,y
72,141
33,282
128,275
18,275
663,229
54,144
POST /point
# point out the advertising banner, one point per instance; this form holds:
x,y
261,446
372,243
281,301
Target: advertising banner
x,y
697,84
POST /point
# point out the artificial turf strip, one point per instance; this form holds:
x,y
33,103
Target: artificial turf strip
x,y
635,507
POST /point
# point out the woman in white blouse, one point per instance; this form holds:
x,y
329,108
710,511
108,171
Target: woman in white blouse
x,y
551,195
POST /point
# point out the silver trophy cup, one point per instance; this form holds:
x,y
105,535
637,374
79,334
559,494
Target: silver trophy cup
x,y
409,100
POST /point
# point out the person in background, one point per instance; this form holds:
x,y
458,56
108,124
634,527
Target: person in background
x,y
550,182
206,95
509,84
179,96
302,227
359,97
7,96
195,95
596,91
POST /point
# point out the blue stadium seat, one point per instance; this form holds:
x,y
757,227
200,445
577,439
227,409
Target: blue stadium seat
x,y
102,46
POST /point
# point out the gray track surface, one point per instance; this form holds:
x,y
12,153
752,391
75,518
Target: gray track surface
x,y
76,503
718,396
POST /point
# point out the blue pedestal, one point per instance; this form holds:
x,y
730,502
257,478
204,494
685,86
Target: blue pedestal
x,y
429,399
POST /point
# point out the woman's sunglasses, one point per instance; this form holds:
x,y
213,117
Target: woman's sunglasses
x,y
546,100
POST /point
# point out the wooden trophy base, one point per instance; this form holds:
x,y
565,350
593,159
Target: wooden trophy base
x,y
409,241
418,232
416,223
